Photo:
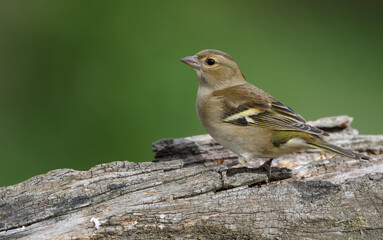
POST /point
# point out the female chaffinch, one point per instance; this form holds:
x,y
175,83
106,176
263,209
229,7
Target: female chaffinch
x,y
247,120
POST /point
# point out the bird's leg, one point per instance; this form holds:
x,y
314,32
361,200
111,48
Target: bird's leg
x,y
241,159
231,164
222,169
227,166
267,165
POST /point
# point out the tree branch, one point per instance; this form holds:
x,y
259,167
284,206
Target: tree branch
x,y
179,196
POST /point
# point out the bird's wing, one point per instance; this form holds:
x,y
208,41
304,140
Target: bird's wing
x,y
246,105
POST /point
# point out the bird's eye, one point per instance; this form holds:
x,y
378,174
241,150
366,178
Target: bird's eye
x,y
210,61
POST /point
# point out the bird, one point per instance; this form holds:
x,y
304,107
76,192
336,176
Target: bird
x,y
247,120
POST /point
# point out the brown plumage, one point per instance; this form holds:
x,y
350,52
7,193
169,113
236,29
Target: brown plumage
x,y
244,118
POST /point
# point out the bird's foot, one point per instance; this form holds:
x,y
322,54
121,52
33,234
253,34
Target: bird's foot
x,y
267,166
224,167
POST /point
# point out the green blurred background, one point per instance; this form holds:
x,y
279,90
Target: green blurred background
x,y
89,82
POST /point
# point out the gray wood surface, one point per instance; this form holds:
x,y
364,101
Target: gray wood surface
x,y
179,196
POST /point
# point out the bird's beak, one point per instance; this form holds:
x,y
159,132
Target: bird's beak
x,y
191,61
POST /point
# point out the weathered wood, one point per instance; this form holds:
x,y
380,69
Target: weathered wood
x,y
179,196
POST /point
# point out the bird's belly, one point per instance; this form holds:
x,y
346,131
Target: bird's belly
x,y
252,142
245,141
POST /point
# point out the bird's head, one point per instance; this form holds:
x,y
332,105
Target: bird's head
x,y
215,69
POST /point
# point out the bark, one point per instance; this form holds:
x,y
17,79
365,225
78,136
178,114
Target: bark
x,y
180,196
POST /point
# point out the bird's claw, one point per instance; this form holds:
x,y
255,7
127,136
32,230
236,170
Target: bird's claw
x,y
224,167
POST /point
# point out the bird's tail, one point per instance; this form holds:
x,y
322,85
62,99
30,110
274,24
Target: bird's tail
x,y
335,149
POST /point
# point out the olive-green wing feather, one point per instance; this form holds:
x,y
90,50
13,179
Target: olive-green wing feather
x,y
246,105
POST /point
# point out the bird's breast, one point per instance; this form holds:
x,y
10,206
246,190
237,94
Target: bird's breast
x,y
209,109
